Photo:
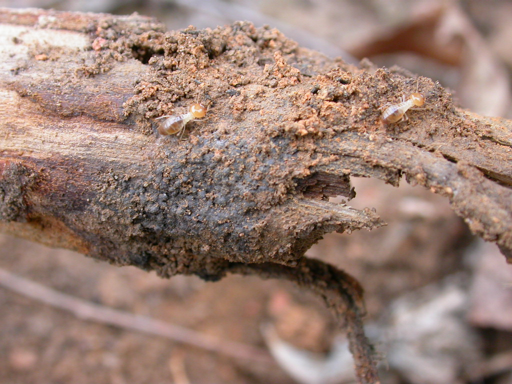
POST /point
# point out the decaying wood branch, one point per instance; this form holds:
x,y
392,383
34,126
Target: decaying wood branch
x,y
82,166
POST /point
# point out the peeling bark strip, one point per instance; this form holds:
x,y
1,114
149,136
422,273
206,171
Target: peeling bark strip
x,y
82,166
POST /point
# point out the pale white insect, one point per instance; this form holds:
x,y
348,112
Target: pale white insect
x,y
173,124
396,112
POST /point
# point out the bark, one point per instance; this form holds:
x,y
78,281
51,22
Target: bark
x,y
83,167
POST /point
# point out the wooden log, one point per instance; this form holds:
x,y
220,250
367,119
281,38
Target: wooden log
x,y
83,168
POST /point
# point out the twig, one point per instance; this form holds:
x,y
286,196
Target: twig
x,y
89,311
343,296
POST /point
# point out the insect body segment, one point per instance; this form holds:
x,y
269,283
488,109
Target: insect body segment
x,y
396,112
171,125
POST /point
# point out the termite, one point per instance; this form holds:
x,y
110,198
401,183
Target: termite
x,y
396,112
173,124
